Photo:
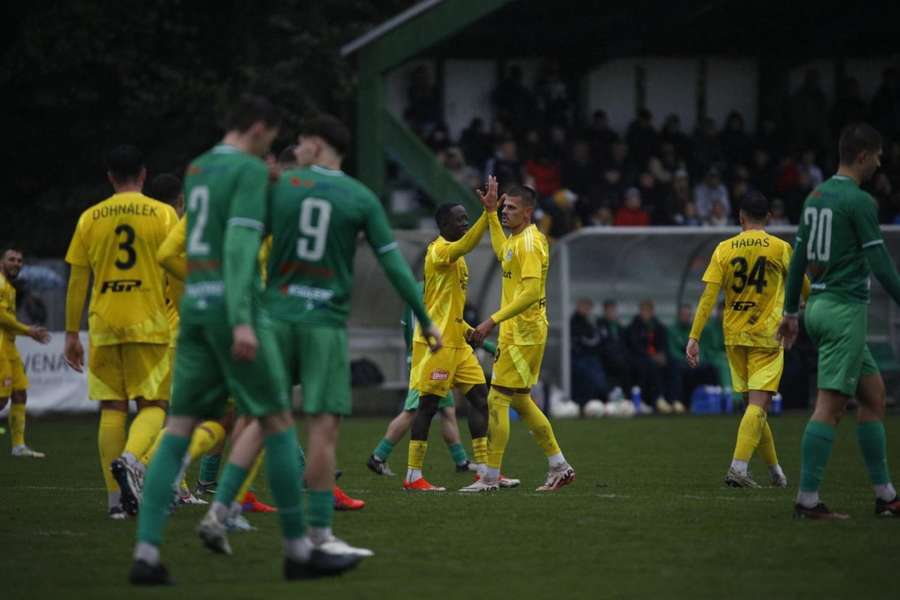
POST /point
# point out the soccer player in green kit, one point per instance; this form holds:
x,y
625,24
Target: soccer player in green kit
x,y
226,347
840,244
316,215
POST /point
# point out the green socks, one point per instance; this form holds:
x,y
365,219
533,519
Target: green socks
x,y
282,466
874,450
383,449
458,453
159,485
233,478
321,508
815,449
209,467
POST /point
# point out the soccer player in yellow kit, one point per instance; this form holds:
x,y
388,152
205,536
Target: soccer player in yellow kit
x,y
13,381
751,268
454,365
524,258
117,241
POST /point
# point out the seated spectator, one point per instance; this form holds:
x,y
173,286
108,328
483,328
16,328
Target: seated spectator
x,y
648,353
795,196
588,376
718,217
736,144
762,172
682,378
664,166
505,164
545,173
613,348
690,216
652,198
672,134
707,152
642,139
631,214
778,216
713,350
679,197
475,143
553,102
466,175
439,139
602,217
601,136
707,192
850,106
808,164
512,99
809,112
578,172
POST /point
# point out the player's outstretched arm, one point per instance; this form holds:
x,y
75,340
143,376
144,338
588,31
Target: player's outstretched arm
x,y
171,254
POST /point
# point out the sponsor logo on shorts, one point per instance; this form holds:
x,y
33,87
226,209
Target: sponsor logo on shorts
x,y
440,375
120,285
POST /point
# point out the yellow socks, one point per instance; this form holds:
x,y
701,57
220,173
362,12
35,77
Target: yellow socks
x,y
207,436
480,450
17,424
148,455
111,442
498,428
251,475
749,433
767,446
144,429
537,423
415,459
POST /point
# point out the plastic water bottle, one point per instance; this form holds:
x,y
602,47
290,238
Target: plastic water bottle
x,y
776,404
636,399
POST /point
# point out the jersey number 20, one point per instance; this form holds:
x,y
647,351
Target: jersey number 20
x,y
315,214
818,247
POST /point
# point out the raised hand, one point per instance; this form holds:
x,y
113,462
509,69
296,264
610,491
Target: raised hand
x,y
489,196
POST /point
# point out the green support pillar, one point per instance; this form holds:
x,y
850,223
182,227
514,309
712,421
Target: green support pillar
x,y
370,128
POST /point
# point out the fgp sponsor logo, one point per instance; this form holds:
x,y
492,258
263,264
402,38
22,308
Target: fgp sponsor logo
x,y
743,305
440,375
120,285
507,274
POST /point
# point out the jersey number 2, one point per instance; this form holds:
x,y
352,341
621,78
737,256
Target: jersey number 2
x,y
198,204
818,248
315,214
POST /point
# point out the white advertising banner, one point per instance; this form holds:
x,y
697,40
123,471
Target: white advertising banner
x,y
53,385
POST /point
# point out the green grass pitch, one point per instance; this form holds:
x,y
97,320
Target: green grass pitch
x,y
647,517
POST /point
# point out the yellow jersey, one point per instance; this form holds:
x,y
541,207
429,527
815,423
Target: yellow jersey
x,y
751,268
524,255
446,281
118,240
8,310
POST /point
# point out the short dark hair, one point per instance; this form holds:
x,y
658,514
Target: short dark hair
x,y
330,129
125,162
165,187
443,213
287,157
526,193
856,138
755,206
250,109
10,247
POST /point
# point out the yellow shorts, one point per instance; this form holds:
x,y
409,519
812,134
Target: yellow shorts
x,y
755,368
12,374
438,372
517,367
129,371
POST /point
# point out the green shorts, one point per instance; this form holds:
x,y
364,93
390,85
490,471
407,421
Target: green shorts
x,y
839,331
412,400
206,375
317,358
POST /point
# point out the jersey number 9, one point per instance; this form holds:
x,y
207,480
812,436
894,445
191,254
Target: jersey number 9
x,y
315,214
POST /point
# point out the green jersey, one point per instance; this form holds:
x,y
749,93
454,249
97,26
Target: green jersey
x,y
222,187
839,221
316,216
408,322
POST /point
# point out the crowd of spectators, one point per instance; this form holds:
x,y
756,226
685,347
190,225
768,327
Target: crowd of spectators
x,y
657,174
612,360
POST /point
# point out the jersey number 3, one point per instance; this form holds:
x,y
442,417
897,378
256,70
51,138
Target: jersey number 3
x,y
818,248
315,214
